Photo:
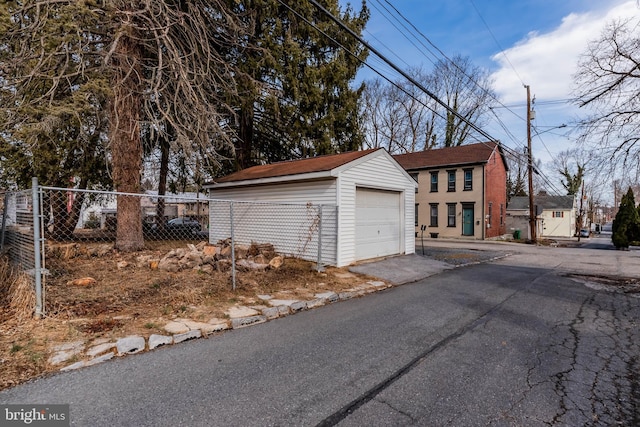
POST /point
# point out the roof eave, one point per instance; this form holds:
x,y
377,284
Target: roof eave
x,y
272,180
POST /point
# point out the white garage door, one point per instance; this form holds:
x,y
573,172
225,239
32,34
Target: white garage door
x,y
378,231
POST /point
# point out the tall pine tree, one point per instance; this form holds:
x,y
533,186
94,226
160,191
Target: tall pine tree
x,y
295,99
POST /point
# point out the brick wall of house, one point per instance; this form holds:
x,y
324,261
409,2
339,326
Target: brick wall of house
x,y
496,196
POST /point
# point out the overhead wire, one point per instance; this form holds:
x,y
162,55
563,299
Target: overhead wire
x,y
507,150
402,72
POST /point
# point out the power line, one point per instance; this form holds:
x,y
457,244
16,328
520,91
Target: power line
x,y
446,57
502,50
402,72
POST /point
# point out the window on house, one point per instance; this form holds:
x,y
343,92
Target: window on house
x,y
558,214
451,214
501,214
434,182
468,179
451,180
433,208
416,214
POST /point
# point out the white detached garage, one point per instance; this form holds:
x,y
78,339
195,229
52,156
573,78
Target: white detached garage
x,y
372,196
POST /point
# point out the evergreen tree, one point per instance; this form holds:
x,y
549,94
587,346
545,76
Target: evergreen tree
x,y
626,225
294,95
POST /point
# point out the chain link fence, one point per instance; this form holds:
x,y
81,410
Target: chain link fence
x,y
34,222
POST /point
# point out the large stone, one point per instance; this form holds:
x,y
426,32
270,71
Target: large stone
x,y
156,341
260,259
247,321
237,312
176,327
205,328
241,251
298,306
328,296
278,302
276,263
99,349
130,345
248,265
225,252
76,346
219,324
377,283
210,250
187,336
169,264
270,312
317,302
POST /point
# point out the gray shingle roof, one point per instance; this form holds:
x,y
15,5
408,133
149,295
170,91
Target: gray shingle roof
x,y
542,201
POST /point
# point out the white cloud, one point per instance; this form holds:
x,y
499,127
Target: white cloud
x,y
547,61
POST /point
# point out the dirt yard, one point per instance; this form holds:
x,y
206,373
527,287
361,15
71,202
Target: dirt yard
x,y
121,296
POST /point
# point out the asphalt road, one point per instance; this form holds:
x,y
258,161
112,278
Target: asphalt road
x,y
504,343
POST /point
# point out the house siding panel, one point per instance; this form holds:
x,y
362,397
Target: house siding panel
x,y
278,214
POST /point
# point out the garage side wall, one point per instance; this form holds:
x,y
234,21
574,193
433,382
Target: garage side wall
x,y
288,216
377,173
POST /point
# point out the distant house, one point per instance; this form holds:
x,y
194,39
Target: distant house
x,y
462,191
368,201
555,215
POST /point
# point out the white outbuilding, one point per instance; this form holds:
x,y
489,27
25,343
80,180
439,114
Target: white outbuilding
x,y
345,207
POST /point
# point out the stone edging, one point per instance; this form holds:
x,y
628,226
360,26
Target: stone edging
x,y
181,330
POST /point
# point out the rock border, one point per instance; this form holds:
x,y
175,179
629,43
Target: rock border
x,y
180,330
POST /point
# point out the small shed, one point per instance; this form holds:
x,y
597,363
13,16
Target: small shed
x,y
369,196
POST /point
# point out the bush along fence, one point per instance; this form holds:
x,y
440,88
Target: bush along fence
x,y
47,220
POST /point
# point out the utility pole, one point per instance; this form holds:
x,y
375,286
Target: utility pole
x,y
532,208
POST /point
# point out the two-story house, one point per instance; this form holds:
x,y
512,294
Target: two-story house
x,y
462,191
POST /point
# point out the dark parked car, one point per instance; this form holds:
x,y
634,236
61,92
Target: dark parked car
x,y
184,225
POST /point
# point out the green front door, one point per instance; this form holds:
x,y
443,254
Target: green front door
x,y
467,221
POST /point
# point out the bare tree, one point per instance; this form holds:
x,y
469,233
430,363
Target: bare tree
x,y
608,83
157,63
403,119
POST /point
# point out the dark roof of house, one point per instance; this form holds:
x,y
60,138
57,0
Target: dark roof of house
x,y
542,201
449,156
296,167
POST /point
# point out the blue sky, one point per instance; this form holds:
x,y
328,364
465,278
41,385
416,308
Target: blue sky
x,y
532,42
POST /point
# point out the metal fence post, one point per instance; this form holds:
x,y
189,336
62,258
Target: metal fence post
x,y
37,273
233,249
4,220
319,267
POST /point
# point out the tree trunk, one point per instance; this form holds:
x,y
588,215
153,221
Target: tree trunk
x,y
245,135
126,144
161,222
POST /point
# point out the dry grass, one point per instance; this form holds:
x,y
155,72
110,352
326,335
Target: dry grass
x,y
129,300
16,292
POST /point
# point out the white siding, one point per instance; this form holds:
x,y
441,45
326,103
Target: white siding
x,y
317,192
285,215
380,172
